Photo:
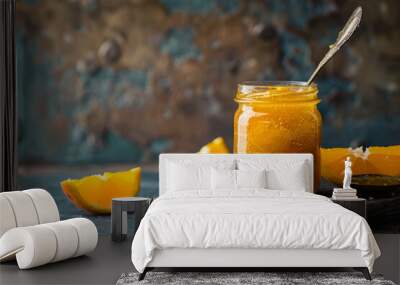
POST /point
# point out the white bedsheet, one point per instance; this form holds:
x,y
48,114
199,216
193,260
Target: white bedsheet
x,y
250,219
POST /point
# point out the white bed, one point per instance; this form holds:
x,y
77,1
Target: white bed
x,y
248,227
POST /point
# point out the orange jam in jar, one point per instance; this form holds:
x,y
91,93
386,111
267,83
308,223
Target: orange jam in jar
x,y
278,117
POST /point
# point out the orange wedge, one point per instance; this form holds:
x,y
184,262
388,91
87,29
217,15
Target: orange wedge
x,y
373,160
94,193
216,146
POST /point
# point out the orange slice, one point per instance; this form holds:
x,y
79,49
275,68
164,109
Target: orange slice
x,y
94,193
216,146
373,160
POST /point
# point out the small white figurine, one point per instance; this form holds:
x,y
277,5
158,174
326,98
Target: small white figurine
x,y
347,174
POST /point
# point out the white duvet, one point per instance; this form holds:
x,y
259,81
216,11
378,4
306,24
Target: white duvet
x,y
250,219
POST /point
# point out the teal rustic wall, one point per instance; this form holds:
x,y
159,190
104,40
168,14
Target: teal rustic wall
x,y
120,81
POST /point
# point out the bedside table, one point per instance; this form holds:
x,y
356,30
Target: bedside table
x,y
119,215
358,206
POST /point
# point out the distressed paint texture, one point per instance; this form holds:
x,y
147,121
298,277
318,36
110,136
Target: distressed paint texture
x,y
120,81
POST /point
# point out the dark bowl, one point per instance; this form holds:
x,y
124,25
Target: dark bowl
x,y
376,186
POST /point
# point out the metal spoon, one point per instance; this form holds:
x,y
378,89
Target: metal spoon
x,y
344,35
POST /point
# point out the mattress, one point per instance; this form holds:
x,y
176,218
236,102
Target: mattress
x,y
251,219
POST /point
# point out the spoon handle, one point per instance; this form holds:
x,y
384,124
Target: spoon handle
x,y
331,52
351,25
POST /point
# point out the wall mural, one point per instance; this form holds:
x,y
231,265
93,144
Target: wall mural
x,y
121,81
103,82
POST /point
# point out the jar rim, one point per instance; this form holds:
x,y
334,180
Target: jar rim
x,y
276,83
272,92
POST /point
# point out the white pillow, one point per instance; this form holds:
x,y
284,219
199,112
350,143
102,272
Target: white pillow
x,y
226,179
182,177
292,179
281,174
223,179
186,174
251,178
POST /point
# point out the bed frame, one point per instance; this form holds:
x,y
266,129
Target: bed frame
x,y
242,259
246,258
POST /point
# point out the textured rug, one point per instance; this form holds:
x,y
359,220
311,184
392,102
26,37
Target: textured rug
x,y
243,278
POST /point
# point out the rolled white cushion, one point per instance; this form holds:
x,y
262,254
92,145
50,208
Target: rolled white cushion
x,y
67,240
45,205
26,208
33,246
7,218
87,235
23,208
37,245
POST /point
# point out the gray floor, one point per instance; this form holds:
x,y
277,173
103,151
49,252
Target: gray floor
x,y
103,266
110,259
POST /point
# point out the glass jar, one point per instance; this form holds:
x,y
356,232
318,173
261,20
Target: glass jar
x,y
278,117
